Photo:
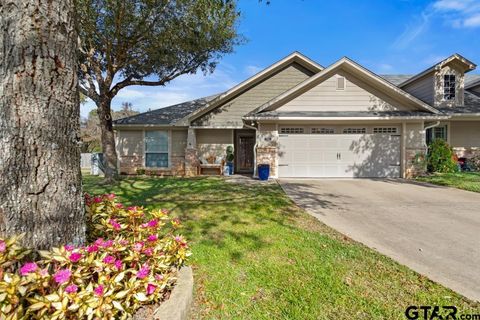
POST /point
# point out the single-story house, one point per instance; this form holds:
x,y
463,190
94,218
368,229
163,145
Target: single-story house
x,y
306,120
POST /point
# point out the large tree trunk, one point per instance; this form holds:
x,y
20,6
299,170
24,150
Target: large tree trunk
x,y
108,139
40,184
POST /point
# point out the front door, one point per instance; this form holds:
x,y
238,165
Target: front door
x,y
244,152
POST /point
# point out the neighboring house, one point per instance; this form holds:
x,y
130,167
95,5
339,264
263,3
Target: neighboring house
x,y
309,121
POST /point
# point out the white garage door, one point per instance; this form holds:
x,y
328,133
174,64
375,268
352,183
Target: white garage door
x,y
339,155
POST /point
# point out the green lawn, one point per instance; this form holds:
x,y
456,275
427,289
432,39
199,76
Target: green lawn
x,y
463,180
258,256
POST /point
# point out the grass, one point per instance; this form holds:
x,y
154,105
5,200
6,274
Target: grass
x,y
258,256
462,180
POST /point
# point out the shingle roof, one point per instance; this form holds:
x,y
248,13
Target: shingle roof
x,y
396,79
168,115
471,106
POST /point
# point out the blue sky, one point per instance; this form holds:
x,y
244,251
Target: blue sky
x,y
388,37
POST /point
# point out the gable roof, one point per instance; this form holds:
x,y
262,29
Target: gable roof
x,y
469,65
165,116
475,82
396,79
295,57
326,73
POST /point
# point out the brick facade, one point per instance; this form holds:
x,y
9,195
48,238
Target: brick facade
x,y
191,162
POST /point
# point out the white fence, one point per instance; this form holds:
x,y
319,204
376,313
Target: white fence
x,y
86,161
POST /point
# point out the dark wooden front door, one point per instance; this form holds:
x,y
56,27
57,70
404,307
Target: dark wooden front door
x,y
244,151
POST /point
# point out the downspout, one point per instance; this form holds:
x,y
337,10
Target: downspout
x,y
436,124
254,149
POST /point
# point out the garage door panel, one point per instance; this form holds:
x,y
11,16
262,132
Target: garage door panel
x,y
340,155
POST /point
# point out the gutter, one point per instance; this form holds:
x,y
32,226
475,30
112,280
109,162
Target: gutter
x,y
254,149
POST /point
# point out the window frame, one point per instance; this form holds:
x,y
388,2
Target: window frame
x,y
168,152
362,129
385,130
293,131
448,86
324,129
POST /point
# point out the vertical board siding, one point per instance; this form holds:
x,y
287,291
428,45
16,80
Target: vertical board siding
x,y
230,114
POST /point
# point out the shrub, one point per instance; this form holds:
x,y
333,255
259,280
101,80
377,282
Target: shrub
x,y
132,260
441,157
474,163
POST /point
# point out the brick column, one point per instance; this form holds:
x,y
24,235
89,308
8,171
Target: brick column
x,y
191,162
268,155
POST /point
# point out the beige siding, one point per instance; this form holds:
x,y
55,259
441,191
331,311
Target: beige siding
x,y
230,114
179,142
465,134
130,150
422,88
213,142
357,96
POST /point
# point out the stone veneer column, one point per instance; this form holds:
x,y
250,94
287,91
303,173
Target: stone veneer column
x,y
415,163
191,156
268,155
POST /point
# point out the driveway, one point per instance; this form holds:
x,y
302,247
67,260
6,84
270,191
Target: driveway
x,y
433,230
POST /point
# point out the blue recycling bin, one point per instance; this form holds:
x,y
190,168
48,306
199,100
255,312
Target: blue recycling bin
x,y
263,171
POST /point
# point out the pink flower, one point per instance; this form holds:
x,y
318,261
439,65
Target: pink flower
x,y
148,251
158,277
115,224
152,238
138,246
99,242
71,288
110,196
92,248
152,223
133,209
28,267
62,276
98,291
123,242
151,288
178,239
3,246
107,243
143,272
97,199
118,264
165,211
119,206
69,247
74,257
44,272
109,259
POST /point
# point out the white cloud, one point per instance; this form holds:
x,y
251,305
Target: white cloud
x,y
455,13
251,70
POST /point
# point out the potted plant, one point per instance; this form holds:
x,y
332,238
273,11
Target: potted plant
x,y
230,158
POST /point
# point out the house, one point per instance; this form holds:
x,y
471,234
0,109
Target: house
x,y
306,120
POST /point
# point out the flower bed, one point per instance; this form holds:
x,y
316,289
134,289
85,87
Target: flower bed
x,y
132,260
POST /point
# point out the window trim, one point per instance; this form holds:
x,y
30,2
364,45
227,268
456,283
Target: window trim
x,y
388,130
330,129
449,96
363,129
293,130
169,149
344,83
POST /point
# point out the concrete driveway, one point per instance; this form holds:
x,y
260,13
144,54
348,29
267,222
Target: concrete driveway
x,y
431,229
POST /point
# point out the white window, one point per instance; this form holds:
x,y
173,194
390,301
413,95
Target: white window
x,y
355,130
439,132
323,130
156,149
449,86
292,130
340,83
385,130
